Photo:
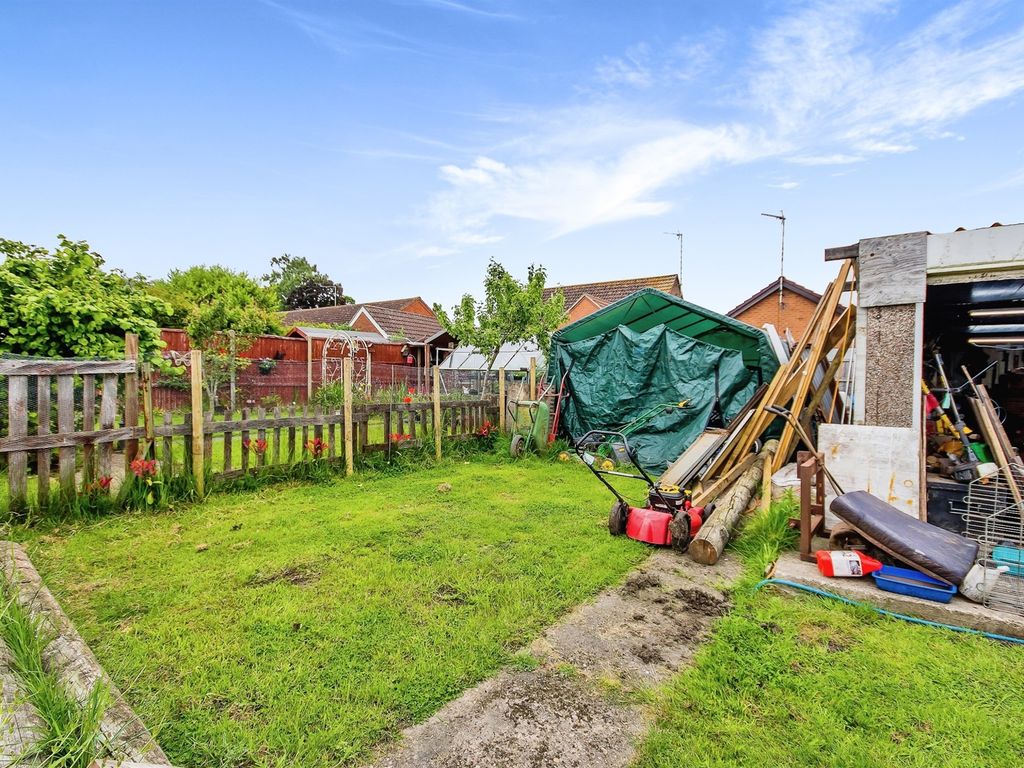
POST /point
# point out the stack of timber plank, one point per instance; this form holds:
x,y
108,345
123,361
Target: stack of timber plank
x,y
801,385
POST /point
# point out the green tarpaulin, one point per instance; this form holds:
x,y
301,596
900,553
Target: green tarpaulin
x,y
649,349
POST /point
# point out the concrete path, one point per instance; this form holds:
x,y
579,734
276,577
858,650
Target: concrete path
x,y
575,708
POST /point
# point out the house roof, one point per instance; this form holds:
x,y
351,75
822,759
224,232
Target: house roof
x,y
387,315
395,323
609,291
772,288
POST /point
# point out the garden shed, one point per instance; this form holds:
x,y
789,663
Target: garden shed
x,y
639,358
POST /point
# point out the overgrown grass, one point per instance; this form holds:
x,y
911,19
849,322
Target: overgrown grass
x,y
802,681
305,624
71,736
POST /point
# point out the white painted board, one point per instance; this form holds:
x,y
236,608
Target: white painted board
x,y
884,461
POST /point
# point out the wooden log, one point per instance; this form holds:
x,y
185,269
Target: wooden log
x,y
710,542
43,456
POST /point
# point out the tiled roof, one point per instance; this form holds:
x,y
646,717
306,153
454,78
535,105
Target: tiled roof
x,y
405,324
339,315
771,288
612,290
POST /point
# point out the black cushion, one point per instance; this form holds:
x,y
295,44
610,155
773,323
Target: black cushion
x,y
930,549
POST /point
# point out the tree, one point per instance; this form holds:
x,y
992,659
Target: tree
x,y
300,285
209,301
222,311
511,312
63,303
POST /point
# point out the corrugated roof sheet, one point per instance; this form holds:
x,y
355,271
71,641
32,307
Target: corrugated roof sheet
x,y
326,333
511,357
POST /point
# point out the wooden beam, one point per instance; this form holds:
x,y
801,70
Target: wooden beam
x,y
842,252
346,369
437,413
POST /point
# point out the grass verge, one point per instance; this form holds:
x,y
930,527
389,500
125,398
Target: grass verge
x,y
306,624
803,681
71,736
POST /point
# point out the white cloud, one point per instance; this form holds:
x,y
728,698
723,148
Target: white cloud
x,y
785,185
823,86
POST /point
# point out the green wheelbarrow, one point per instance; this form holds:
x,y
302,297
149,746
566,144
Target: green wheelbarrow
x,y
530,424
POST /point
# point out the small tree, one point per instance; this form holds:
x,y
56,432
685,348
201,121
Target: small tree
x,y
510,312
65,304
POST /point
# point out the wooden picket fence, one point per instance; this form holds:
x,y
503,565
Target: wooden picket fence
x,y
104,414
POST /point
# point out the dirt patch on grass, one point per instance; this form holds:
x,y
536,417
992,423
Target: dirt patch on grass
x,y
446,593
701,601
297,574
639,581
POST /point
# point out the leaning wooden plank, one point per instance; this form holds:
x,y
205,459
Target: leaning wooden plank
x,y
710,542
708,493
693,458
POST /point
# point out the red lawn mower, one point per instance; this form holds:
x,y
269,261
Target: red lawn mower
x,y
669,519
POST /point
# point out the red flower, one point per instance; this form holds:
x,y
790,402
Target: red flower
x,y
259,446
104,482
144,468
317,447
407,400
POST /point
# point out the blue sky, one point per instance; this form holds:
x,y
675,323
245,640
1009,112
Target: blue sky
x,y
400,144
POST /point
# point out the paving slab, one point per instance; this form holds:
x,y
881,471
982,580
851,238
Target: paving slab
x,y
959,611
574,710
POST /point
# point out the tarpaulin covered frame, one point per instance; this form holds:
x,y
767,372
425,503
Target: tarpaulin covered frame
x,y
609,345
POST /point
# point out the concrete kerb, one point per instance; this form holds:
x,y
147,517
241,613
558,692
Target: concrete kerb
x,y
958,612
75,664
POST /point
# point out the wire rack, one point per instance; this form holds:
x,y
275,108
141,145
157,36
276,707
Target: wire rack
x,y
993,511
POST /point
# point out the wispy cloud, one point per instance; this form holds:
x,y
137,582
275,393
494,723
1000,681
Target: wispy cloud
x,y
785,185
467,8
823,85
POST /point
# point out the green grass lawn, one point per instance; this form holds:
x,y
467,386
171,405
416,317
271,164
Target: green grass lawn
x,y
803,681
305,624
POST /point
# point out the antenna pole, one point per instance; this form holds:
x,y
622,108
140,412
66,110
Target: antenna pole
x,y
679,236
781,218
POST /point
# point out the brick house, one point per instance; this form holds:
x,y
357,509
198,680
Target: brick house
x,y
408,322
583,299
798,304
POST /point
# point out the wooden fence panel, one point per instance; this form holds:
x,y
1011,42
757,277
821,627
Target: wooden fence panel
x,y
17,462
65,425
43,456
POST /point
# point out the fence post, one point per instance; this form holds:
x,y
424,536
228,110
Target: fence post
x,y
437,412
17,462
233,351
369,373
309,369
533,378
198,444
346,369
147,410
501,400
131,398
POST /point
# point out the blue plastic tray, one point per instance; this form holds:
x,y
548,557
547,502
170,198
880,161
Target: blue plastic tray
x,y
907,581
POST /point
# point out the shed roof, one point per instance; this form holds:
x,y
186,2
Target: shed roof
x,y
326,333
646,308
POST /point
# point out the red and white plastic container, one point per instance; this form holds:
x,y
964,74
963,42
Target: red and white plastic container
x,y
846,563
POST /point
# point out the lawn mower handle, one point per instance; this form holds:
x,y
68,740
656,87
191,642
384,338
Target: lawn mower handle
x,y
600,473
